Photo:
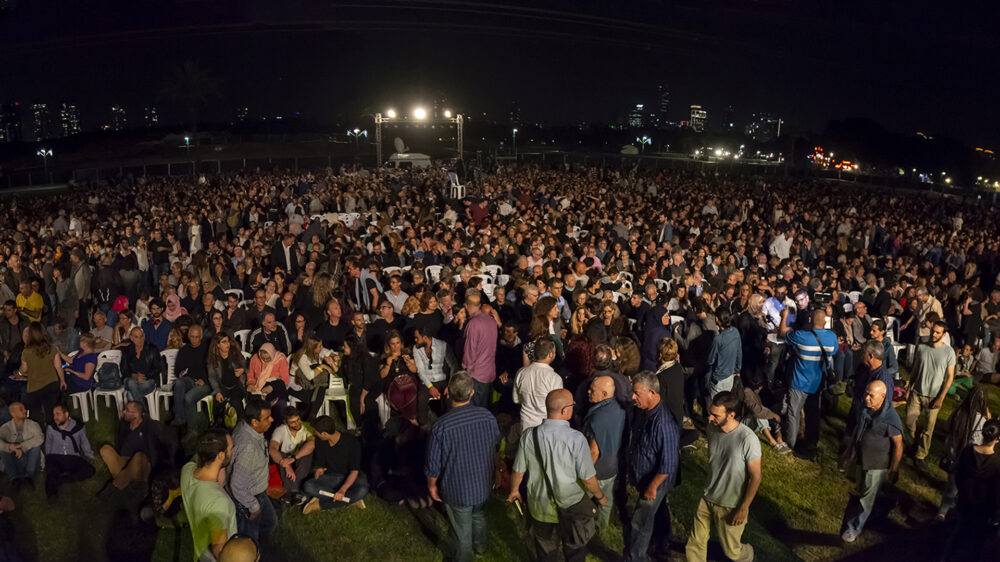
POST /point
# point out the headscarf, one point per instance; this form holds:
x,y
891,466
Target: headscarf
x,y
275,369
178,310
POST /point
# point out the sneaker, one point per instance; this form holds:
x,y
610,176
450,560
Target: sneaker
x,y
360,504
310,507
782,448
849,536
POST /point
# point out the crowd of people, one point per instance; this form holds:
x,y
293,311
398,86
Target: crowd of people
x,y
561,337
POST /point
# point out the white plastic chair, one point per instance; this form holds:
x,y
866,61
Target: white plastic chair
x,y
855,296
494,270
674,320
166,391
662,284
433,273
82,400
237,292
503,279
118,394
892,327
627,286
389,271
848,306
242,336
337,392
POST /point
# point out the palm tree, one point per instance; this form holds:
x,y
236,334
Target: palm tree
x,y
190,86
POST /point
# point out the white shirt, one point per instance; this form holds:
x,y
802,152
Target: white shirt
x,y
531,385
397,300
288,443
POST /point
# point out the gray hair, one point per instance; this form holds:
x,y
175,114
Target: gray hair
x,y
875,348
647,379
460,387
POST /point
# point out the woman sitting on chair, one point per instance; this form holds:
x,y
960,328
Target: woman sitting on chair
x,y
268,376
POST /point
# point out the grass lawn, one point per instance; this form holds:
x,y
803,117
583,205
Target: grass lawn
x,y
796,516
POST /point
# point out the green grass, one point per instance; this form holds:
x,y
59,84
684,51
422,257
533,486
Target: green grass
x,y
796,515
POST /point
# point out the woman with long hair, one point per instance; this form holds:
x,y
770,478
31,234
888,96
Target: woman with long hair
x,y
395,360
42,364
364,385
544,322
753,336
965,428
976,474
227,372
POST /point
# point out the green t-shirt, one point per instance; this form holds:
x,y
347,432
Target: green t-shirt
x,y
931,368
728,455
208,508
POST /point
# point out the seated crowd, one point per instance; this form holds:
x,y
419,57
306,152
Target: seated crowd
x,y
559,337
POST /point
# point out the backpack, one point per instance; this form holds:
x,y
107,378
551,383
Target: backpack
x,y
109,377
402,396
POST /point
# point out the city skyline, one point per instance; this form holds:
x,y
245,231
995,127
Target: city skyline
x,y
564,63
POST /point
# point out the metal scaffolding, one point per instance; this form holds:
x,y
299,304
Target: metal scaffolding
x,y
457,120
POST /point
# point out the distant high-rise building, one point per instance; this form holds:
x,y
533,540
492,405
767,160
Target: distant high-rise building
x,y
69,119
439,106
241,114
10,122
41,122
764,127
119,119
637,117
150,116
698,118
515,113
662,105
729,123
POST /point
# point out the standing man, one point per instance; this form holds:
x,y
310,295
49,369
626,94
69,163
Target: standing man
x,y
872,369
890,362
877,440
733,480
557,460
210,511
533,384
725,358
480,348
604,426
67,452
248,474
653,459
460,455
809,348
933,373
434,361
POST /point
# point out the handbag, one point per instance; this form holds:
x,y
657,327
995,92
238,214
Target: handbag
x,y
583,510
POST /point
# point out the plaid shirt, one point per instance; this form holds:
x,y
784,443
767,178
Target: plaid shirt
x,y
460,453
655,447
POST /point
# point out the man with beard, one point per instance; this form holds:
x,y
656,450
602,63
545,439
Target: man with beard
x,y
210,511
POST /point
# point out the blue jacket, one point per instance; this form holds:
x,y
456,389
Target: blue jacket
x,y
725,358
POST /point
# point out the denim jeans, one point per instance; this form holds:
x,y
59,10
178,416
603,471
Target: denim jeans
x,y
949,496
186,396
24,467
859,506
261,528
604,513
795,402
649,518
715,387
331,482
468,530
137,391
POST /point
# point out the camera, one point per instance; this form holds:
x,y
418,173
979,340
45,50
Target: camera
x,y
820,300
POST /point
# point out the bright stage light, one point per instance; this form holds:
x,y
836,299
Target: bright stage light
x,y
419,113
391,113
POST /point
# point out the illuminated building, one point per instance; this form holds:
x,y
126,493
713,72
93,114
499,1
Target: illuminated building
x,y
698,118
663,106
150,116
636,118
10,122
764,128
119,119
69,119
41,123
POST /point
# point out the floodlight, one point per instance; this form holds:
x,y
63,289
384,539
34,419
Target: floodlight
x,y
419,113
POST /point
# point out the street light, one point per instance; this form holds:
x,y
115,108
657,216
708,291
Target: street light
x,y
514,141
357,134
419,113
643,142
45,153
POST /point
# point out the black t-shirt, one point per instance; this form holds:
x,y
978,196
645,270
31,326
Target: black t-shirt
x,y
161,251
192,359
341,458
333,336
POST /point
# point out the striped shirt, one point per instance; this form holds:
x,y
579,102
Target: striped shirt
x,y
460,453
655,447
807,374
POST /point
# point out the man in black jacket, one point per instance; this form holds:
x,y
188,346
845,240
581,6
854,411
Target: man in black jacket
x,y
192,377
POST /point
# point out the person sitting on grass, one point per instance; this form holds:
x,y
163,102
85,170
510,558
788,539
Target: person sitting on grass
x,y
67,452
336,469
763,418
20,446
291,449
210,511
964,360
135,454
984,368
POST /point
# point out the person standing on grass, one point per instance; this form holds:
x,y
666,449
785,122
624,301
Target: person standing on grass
x,y
809,347
210,511
604,426
557,460
733,480
933,373
460,455
479,358
876,443
653,458
534,383
248,473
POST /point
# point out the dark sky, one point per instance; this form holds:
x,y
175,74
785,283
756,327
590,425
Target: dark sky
x,y
918,65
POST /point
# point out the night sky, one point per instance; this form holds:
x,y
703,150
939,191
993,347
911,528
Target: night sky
x,y
920,65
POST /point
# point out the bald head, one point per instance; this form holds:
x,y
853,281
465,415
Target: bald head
x,y
559,404
241,549
601,388
875,395
819,320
